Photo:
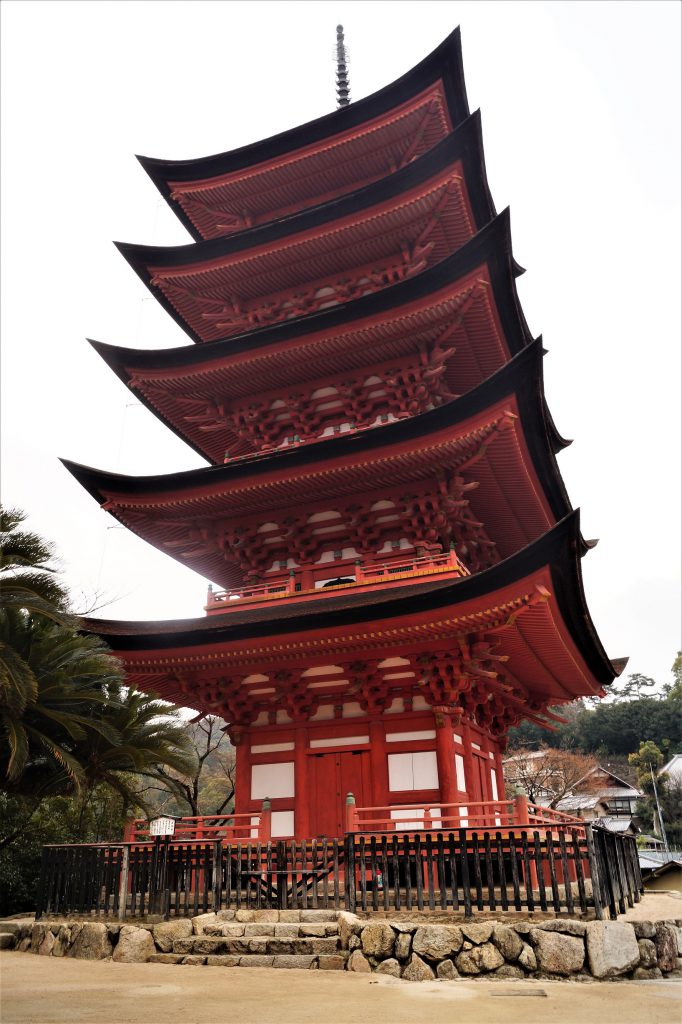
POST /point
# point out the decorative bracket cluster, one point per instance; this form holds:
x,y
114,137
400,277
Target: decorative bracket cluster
x,y
264,424
231,314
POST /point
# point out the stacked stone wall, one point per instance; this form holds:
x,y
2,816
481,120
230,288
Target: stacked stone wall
x,y
415,950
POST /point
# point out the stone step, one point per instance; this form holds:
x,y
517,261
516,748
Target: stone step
x,y
265,945
292,930
290,961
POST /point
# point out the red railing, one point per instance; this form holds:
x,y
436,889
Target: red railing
x,y
364,575
208,827
474,815
538,815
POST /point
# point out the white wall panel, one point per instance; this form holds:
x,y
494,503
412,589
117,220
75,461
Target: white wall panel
x,y
425,770
400,774
400,737
272,780
412,820
282,824
459,772
412,771
340,741
271,748
352,710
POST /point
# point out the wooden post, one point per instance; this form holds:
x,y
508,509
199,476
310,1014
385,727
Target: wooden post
x,y
129,830
216,874
301,789
445,759
378,761
351,814
265,826
470,772
123,883
242,789
594,873
521,809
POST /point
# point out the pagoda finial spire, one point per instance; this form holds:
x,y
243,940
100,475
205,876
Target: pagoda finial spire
x,y
342,61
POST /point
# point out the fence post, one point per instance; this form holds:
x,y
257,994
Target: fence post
x,y
42,884
521,808
123,883
283,874
265,826
594,872
350,871
351,814
217,874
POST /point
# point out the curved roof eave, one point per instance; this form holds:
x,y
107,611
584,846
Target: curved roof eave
x,y
464,144
521,377
445,62
558,548
491,245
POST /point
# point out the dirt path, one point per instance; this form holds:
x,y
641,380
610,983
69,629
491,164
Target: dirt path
x,y
43,990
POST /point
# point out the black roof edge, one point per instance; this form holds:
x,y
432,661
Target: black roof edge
x,y
465,143
618,665
491,245
522,376
444,62
557,548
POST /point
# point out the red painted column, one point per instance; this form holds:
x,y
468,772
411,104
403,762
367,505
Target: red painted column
x,y
470,772
499,770
242,787
445,759
379,762
301,784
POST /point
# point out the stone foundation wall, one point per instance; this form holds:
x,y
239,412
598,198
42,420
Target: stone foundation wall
x,y
409,949
558,949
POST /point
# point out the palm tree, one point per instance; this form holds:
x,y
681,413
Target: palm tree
x,y
71,675
151,738
29,589
68,721
27,581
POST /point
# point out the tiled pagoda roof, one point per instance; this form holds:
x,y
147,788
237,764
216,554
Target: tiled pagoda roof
x,y
367,240
503,425
532,604
263,181
476,284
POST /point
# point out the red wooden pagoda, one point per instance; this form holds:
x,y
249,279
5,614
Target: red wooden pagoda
x,y
395,563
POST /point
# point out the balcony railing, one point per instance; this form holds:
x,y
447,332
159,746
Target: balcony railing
x,y
363,575
474,815
199,828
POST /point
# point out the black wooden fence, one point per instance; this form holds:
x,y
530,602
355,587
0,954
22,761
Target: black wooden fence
x,y
568,871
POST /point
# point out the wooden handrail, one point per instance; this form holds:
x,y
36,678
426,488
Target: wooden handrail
x,y
364,574
195,827
469,815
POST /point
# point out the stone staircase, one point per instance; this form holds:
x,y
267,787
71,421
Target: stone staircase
x,y
303,939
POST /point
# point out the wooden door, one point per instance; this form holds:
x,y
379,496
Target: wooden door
x,y
334,775
481,784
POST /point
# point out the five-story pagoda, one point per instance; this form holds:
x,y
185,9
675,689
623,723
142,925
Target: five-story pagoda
x,y
394,558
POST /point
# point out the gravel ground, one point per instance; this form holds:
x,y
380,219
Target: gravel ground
x,y
45,990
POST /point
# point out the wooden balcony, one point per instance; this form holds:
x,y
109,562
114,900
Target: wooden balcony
x,y
359,574
480,816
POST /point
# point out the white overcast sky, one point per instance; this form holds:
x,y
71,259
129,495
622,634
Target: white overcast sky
x,y
581,121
